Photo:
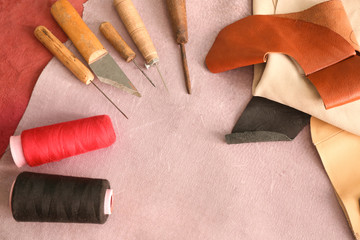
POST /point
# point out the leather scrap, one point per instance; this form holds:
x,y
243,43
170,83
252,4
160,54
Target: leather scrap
x,y
264,120
338,84
249,40
227,52
340,154
324,14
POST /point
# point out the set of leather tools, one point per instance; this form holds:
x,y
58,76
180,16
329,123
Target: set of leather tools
x,y
97,57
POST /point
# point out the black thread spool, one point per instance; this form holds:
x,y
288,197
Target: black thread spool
x,y
53,198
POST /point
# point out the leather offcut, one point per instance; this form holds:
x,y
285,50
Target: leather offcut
x,y
264,120
243,43
324,14
346,85
338,84
340,154
283,81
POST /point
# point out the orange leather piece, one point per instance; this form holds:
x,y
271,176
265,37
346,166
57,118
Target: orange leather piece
x,y
324,14
247,41
338,84
340,154
311,37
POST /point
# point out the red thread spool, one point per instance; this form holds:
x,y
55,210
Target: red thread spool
x,y
52,143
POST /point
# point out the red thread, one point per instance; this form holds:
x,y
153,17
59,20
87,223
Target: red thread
x,y
55,142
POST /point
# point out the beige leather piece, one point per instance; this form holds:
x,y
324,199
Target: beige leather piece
x,y
282,80
285,84
264,7
340,154
268,7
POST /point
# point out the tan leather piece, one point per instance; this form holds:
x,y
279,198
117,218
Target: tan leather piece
x,y
324,14
340,154
295,38
282,80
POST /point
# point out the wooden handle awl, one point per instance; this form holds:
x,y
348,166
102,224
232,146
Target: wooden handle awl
x,y
60,51
136,28
177,11
117,41
77,30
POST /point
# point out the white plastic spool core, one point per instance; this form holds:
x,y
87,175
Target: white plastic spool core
x,y
10,197
17,151
108,201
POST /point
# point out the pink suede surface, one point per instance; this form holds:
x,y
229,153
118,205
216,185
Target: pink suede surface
x,y
173,175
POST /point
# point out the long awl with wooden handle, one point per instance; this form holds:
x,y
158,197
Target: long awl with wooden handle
x,y
177,11
99,60
137,31
66,57
110,33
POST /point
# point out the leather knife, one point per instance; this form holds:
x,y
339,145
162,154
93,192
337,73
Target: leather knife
x,y
98,58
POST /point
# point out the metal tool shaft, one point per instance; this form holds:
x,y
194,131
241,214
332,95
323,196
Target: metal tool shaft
x,y
109,100
177,14
186,68
143,72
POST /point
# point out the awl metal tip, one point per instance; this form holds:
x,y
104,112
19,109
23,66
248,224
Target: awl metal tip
x,y
143,72
186,68
110,100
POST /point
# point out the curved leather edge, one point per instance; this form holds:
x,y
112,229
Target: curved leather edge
x,y
339,153
321,131
264,120
324,14
242,44
255,136
338,84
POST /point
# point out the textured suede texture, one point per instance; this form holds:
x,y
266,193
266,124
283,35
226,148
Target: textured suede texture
x,y
23,57
265,120
173,175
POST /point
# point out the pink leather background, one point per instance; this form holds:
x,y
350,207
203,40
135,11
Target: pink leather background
x,y
22,57
173,175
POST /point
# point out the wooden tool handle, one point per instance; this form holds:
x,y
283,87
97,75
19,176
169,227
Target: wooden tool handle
x,y
136,28
76,29
117,41
177,10
63,54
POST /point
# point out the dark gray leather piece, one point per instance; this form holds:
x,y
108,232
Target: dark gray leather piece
x,y
264,120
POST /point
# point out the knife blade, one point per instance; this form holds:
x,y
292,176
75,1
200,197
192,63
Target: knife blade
x,y
98,58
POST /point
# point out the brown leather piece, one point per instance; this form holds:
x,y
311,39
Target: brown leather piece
x,y
248,40
324,14
340,154
338,84
331,71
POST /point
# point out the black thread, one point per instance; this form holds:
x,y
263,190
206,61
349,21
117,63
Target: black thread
x,y
54,198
